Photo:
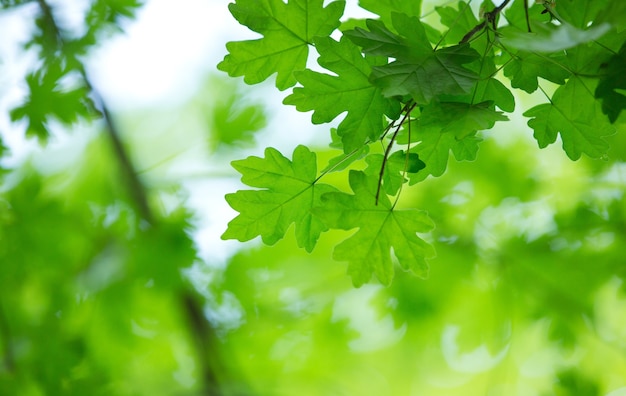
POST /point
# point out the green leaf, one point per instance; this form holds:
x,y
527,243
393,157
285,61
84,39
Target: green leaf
x,y
442,127
396,167
350,91
458,119
613,80
49,100
290,193
581,13
234,120
288,30
544,39
525,67
576,116
343,161
434,149
459,21
417,70
380,229
385,8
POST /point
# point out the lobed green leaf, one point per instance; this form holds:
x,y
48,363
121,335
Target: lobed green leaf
x,y
290,193
381,229
287,28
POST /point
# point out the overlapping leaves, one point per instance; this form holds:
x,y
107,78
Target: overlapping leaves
x,y
349,91
390,83
417,70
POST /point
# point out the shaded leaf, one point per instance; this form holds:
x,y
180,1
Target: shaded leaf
x,y
396,167
417,70
610,89
576,116
459,119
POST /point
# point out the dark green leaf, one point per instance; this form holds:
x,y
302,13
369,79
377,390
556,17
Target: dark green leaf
x,y
612,87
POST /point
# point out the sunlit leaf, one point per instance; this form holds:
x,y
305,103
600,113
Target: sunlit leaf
x,y
350,91
288,29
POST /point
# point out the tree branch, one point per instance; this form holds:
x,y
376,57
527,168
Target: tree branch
x,y
489,17
202,333
5,332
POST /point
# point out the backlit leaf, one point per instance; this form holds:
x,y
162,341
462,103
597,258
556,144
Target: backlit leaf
x,y
287,28
290,193
350,91
381,229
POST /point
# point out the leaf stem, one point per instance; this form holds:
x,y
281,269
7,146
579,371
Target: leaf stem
x,y
406,165
388,149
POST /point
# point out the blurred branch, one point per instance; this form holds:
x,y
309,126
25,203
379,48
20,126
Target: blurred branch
x,y
137,189
5,333
202,334
204,338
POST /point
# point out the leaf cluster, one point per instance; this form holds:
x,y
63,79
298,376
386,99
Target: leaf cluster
x,y
399,79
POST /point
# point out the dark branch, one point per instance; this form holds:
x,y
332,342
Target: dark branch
x,y
135,186
489,18
408,108
5,332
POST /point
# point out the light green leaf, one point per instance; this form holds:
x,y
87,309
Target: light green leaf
x,y
288,29
434,149
350,91
290,194
576,116
459,20
385,8
380,229
544,39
